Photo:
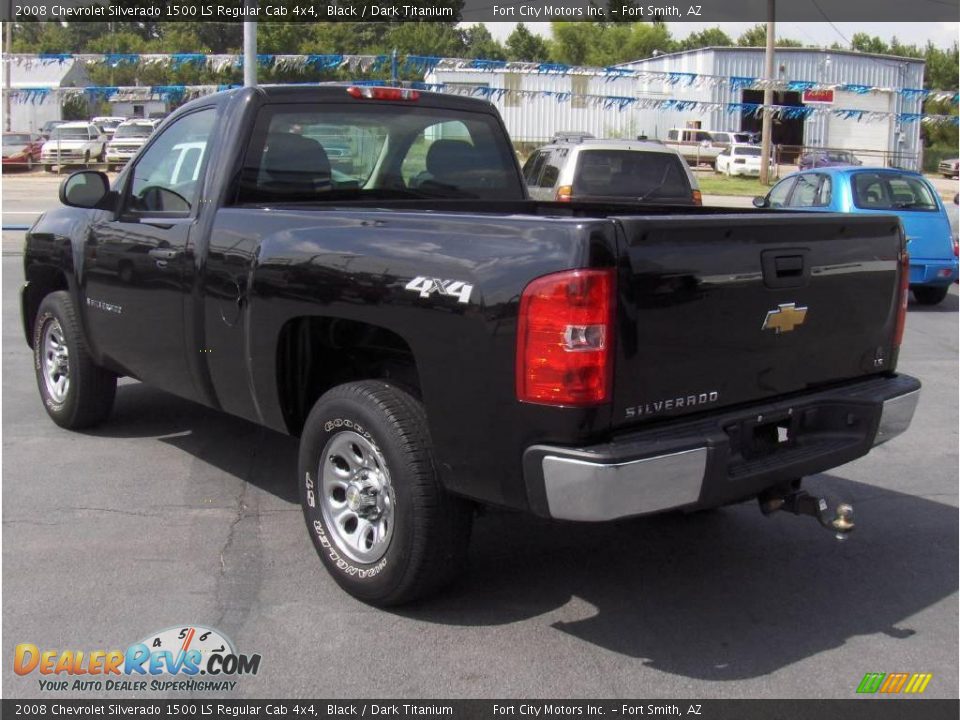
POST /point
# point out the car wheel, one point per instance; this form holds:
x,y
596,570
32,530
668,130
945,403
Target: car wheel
x,y
86,158
103,154
930,295
48,168
29,163
75,391
383,525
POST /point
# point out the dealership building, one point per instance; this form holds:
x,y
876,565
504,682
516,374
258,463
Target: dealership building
x,y
715,76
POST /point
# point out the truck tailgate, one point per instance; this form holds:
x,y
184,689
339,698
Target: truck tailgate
x,y
716,311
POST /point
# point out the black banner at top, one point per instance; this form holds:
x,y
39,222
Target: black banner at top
x,y
479,10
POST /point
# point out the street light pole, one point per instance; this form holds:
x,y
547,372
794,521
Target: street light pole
x,y
250,53
6,73
767,97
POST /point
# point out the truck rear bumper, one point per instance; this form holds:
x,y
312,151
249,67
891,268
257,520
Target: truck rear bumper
x,y
730,456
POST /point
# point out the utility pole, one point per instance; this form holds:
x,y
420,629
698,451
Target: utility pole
x,y
6,72
767,97
250,52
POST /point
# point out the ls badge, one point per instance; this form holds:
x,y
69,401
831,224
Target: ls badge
x,y
785,318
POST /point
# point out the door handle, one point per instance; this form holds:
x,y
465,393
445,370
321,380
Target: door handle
x,y
163,253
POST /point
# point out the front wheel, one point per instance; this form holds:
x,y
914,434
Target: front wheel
x,y
383,525
76,393
930,295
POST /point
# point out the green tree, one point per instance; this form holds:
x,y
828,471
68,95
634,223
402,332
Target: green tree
x,y
757,37
710,37
479,43
524,45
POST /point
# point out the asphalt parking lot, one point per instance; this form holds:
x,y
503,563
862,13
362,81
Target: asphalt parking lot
x,y
172,514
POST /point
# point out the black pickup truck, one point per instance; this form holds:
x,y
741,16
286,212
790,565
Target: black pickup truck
x,y
362,267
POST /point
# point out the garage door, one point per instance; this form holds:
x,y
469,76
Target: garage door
x,y
853,135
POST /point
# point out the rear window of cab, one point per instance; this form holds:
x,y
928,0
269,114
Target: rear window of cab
x,y
628,173
891,191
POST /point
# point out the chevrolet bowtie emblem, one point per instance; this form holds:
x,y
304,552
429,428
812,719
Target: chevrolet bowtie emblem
x,y
785,318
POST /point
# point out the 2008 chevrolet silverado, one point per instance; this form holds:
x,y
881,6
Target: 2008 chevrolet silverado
x,y
362,267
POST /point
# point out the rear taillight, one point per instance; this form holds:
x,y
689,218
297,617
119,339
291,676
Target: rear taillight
x,y
564,339
564,193
697,197
902,298
382,93
956,248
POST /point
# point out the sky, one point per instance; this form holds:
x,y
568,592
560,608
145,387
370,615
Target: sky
x,y
820,33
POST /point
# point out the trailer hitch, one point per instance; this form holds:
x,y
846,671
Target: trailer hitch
x,y
799,502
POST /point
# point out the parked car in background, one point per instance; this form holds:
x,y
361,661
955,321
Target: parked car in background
x,y
73,143
21,149
696,146
746,138
108,124
610,171
48,127
882,191
827,158
741,160
949,168
127,140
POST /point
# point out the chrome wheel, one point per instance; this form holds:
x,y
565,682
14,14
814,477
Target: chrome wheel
x,y
56,362
357,499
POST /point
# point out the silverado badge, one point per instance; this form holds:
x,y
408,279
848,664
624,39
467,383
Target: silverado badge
x,y
785,318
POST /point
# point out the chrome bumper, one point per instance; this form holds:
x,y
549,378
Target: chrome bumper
x,y
897,416
581,490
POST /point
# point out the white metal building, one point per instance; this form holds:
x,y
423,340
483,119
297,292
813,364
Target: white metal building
x,y
35,111
882,142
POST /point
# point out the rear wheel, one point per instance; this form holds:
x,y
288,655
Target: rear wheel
x,y
383,525
930,295
75,391
48,168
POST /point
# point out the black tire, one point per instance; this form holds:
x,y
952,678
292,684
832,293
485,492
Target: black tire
x,y
48,168
86,158
430,528
930,295
88,395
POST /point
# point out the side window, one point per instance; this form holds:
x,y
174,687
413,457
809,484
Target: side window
x,y
826,191
778,196
166,179
551,171
805,194
532,167
673,135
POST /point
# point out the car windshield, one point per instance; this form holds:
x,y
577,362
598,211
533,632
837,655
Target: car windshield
x,y
65,133
629,173
839,156
750,151
131,131
891,191
16,139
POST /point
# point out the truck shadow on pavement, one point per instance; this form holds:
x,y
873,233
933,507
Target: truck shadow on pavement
x,y
723,595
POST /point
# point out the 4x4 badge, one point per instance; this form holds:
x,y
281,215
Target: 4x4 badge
x,y
785,318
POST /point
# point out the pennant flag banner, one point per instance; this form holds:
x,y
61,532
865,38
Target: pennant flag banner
x,y
422,64
183,93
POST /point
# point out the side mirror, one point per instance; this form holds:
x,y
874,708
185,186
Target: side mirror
x,y
760,201
87,189
956,199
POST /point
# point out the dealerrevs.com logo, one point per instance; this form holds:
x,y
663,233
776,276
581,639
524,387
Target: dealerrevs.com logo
x,y
187,658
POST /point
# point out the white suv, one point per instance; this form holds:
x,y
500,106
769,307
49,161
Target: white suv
x,y
73,143
610,171
127,140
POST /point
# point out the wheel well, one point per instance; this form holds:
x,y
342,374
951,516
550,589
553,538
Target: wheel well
x,y
315,354
43,281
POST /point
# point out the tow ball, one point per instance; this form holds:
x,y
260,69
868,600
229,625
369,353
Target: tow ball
x,y
799,502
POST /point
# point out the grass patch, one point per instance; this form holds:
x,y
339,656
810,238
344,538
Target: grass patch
x,y
712,184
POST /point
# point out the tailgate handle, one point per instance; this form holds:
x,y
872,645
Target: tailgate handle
x,y
789,266
785,268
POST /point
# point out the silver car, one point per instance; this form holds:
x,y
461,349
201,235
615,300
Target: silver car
x,y
610,171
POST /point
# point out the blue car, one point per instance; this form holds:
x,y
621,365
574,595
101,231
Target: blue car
x,y
888,191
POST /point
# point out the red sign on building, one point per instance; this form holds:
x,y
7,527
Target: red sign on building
x,y
815,97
